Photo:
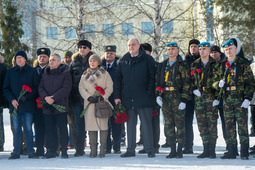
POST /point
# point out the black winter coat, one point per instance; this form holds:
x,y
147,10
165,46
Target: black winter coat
x,y
134,80
3,70
58,83
77,67
14,79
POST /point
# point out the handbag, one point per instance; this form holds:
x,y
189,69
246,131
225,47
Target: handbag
x,y
103,109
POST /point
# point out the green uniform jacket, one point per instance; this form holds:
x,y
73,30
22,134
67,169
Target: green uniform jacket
x,y
178,79
203,81
241,77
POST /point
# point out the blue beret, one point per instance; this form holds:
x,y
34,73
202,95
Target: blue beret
x,y
204,44
172,44
228,43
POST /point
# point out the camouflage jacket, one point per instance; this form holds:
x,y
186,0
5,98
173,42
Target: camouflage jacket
x,y
176,76
203,81
239,76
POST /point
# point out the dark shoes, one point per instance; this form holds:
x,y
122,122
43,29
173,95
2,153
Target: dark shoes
x,y
108,151
33,156
142,151
117,151
244,151
231,154
151,154
166,145
14,156
1,148
187,151
127,154
64,155
206,152
49,154
39,152
79,153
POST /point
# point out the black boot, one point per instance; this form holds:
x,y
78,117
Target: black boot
x,y
179,151
172,154
231,154
205,153
212,151
244,151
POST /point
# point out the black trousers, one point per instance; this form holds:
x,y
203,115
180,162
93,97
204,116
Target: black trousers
x,y
39,130
52,122
189,116
114,130
253,117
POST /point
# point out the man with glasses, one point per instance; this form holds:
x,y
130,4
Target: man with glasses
x,y
79,64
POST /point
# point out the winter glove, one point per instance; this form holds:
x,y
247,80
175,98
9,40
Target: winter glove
x,y
221,83
197,93
245,104
93,99
215,103
182,106
159,101
23,99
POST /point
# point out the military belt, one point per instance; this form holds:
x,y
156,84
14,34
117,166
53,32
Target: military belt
x,y
231,88
169,88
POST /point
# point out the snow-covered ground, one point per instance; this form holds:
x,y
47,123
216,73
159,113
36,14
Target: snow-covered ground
x,y
113,161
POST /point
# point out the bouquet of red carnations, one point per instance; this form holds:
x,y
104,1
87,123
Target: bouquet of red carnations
x,y
41,102
120,114
25,89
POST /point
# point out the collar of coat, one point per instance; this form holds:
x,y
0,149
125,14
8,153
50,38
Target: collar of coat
x,y
25,67
91,76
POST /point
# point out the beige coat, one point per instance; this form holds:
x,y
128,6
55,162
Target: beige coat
x,y
87,88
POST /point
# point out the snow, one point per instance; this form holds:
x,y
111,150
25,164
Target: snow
x,y
113,161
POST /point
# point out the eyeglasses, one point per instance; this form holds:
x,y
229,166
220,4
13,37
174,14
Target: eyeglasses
x,y
83,47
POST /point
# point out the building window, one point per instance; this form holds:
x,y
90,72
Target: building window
x,y
70,33
167,27
147,28
209,21
108,30
89,30
52,33
127,29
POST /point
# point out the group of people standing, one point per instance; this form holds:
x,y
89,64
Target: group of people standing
x,y
206,81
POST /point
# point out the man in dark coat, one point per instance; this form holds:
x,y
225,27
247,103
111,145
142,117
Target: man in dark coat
x,y
79,64
191,56
54,88
110,64
134,86
16,77
42,62
3,70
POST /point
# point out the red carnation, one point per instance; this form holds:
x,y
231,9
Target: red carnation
x,y
27,88
192,72
227,65
154,113
160,89
198,70
100,89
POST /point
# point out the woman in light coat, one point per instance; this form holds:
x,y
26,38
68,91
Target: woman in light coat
x,y
92,77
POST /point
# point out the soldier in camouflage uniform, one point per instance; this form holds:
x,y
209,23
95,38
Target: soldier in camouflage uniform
x,y
203,70
238,84
173,76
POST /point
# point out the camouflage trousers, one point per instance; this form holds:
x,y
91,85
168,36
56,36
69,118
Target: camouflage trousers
x,y
174,118
233,113
207,116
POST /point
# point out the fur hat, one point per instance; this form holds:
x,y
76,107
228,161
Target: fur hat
x,y
194,41
45,51
85,43
147,47
68,53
